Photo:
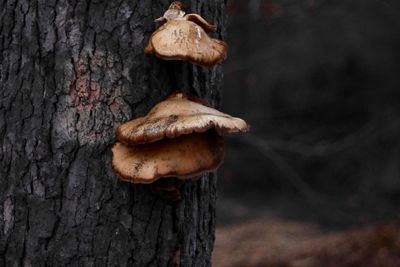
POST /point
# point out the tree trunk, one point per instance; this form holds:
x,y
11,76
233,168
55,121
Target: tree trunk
x,y
72,71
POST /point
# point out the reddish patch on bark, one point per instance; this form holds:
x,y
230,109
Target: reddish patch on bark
x,y
97,60
83,92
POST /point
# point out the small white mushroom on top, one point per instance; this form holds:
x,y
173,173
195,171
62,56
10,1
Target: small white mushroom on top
x,y
175,11
184,37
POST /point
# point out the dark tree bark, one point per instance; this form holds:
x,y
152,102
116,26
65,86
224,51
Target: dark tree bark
x,y
71,72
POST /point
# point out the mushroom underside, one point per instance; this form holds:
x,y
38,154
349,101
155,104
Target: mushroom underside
x,y
184,157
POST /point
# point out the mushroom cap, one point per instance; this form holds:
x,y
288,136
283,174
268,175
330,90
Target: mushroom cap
x,y
184,157
182,39
176,116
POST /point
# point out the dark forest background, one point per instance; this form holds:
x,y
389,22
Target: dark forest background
x,y
319,82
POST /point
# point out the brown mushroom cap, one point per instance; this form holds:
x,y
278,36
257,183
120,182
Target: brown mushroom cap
x,y
176,116
183,157
181,39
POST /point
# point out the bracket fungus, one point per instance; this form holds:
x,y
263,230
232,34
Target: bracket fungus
x,y
178,115
184,157
184,37
179,137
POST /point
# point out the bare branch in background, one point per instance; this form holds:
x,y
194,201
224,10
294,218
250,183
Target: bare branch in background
x,y
294,178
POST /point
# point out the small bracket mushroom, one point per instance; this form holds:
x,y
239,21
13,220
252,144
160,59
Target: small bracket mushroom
x,y
184,37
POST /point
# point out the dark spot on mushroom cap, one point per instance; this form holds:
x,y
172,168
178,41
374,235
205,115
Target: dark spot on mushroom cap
x,y
138,166
172,119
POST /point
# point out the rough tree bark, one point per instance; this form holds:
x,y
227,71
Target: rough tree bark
x,y
71,72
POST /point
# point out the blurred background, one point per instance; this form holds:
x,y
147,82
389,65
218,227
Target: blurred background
x,y
317,181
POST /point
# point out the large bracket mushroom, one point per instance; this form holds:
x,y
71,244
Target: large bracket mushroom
x,y
184,37
179,137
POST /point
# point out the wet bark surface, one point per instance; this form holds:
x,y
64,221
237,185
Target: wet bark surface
x,y
71,72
